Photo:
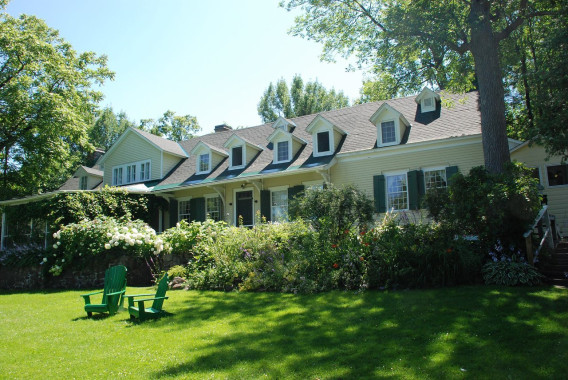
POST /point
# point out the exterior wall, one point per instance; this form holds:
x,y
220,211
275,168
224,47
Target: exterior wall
x,y
132,149
535,157
92,181
360,169
169,162
250,154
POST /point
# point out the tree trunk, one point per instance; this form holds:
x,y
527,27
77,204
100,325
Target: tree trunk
x,y
485,51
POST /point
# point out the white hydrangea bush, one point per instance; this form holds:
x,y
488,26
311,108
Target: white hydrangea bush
x,y
101,236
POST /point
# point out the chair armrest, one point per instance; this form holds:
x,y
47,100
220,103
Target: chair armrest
x,y
115,293
152,299
138,295
91,294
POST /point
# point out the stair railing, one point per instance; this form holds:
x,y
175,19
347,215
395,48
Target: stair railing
x,y
544,232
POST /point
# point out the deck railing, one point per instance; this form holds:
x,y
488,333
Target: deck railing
x,y
545,232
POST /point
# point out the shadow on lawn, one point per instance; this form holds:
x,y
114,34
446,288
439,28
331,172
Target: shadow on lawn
x,y
467,332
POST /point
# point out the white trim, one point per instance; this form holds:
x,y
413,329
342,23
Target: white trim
x,y
316,151
243,158
313,183
198,163
396,126
278,189
391,174
137,176
432,169
276,151
162,164
222,204
425,108
179,200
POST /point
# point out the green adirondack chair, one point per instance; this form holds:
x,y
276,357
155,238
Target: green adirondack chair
x,y
113,292
140,311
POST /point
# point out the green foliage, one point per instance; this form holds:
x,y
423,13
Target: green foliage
x,y
510,273
88,239
108,127
172,126
494,207
333,210
177,271
299,100
48,98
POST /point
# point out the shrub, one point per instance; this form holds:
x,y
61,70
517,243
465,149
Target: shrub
x,y
509,267
177,271
104,235
490,206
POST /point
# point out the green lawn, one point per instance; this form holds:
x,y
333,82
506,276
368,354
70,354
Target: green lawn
x,y
469,332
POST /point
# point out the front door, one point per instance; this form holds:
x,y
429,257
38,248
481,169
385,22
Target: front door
x,y
244,208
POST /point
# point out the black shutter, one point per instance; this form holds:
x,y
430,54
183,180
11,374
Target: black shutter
x,y
173,212
450,171
197,209
292,193
265,204
412,190
379,193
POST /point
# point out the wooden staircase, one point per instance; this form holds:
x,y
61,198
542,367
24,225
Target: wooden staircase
x,y
556,269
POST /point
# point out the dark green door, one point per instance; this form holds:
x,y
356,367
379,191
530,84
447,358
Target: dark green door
x,y
244,208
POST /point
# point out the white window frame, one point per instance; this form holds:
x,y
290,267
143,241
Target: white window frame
x,y
143,172
272,213
316,151
396,132
277,150
130,173
433,169
547,179
220,211
244,155
428,108
199,170
183,201
389,206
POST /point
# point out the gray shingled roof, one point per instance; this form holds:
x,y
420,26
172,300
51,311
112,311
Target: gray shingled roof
x,y
164,144
462,118
92,171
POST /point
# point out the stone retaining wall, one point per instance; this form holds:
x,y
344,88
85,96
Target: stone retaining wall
x,y
83,276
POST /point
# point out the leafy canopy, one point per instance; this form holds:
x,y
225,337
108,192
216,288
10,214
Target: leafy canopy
x,y
47,101
172,126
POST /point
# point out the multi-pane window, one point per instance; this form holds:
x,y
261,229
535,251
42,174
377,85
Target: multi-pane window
x,y
184,211
435,179
145,171
237,156
117,176
279,205
214,208
323,142
282,151
131,173
204,163
387,132
557,175
397,192
83,183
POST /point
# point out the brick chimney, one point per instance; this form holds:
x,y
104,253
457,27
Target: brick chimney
x,y
222,128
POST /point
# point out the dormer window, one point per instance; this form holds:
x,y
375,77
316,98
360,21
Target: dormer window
x,y
428,104
388,132
427,100
204,163
83,183
323,145
283,151
237,156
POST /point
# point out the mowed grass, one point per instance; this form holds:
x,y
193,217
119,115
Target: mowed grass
x,y
468,332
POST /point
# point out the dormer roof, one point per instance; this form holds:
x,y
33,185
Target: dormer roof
x,y
202,145
283,123
279,133
235,139
376,117
82,170
319,120
425,93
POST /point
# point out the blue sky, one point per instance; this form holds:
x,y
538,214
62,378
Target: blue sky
x,y
209,59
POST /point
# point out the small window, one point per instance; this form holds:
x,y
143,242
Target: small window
x,y
83,183
283,153
387,132
435,179
279,206
213,208
117,176
557,175
204,163
145,171
237,156
184,211
131,173
397,192
323,142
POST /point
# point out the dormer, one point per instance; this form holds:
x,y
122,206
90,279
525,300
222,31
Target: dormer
x,y
284,124
241,151
325,136
285,145
391,125
427,100
89,178
207,157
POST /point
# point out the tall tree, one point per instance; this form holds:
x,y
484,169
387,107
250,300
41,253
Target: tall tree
x,y
47,101
298,100
171,126
429,41
108,127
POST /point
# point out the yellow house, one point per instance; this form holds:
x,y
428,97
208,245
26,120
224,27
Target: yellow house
x,y
394,150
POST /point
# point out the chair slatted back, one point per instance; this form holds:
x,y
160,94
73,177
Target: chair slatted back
x,y
115,280
161,292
